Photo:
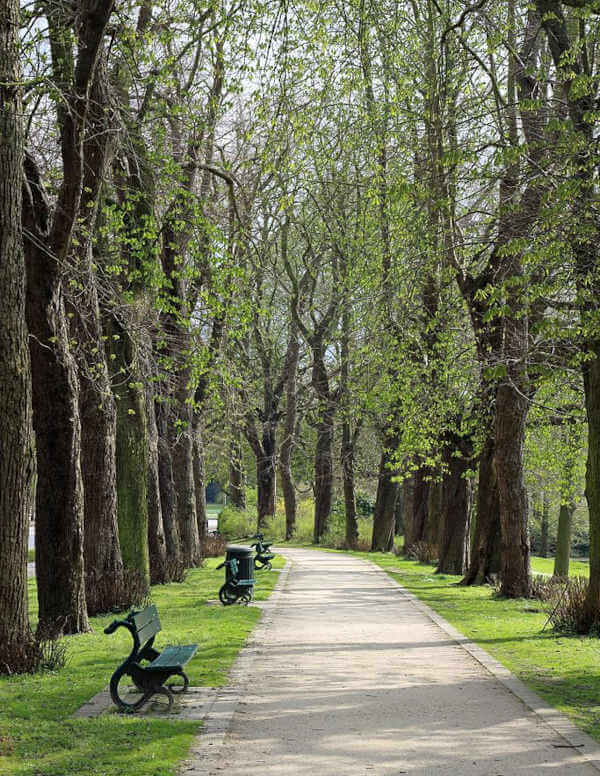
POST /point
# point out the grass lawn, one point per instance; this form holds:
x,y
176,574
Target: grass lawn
x,y
577,568
40,737
565,670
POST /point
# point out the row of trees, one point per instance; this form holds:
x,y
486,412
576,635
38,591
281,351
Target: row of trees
x,y
294,228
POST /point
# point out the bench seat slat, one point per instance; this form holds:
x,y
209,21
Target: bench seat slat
x,y
173,657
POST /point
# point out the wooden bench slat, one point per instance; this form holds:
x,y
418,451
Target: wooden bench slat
x,y
149,614
173,657
149,630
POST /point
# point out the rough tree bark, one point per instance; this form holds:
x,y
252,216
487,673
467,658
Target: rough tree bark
x,y
59,491
17,459
347,456
289,433
563,541
484,565
237,477
102,553
200,486
181,440
168,496
571,63
456,508
157,546
416,522
384,517
323,466
59,498
544,539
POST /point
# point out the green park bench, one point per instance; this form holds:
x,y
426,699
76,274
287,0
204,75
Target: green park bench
x,y
148,679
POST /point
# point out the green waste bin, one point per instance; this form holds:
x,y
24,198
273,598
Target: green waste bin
x,y
245,564
239,575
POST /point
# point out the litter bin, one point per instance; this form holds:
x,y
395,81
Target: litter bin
x,y
239,574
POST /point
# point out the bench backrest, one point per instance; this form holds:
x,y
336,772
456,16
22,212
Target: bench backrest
x,y
146,624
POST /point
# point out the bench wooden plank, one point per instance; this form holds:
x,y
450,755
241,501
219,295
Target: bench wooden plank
x,y
149,614
148,631
173,657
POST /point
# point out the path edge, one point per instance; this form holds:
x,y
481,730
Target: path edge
x,y
219,715
555,719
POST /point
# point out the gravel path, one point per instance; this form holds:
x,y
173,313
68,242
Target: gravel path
x,y
347,675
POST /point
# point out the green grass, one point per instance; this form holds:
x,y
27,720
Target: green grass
x,y
577,568
40,737
565,670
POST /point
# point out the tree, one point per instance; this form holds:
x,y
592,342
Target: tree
x,y
59,500
17,460
574,70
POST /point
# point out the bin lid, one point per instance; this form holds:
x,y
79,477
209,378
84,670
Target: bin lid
x,y
238,549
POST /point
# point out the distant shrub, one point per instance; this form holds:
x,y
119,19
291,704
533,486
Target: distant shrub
x,y
237,523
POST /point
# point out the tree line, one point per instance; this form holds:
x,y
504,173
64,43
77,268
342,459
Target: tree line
x,y
313,231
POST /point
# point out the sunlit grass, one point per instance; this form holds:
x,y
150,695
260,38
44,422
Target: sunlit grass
x,y
577,568
40,737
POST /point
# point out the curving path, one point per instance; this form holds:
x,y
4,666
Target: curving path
x,y
347,675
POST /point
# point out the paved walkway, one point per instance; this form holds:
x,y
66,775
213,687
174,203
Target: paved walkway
x,y
348,675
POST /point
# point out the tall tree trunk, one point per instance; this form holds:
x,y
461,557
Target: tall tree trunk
x,y
132,470
157,547
384,517
351,521
17,460
288,488
415,530
434,511
59,491
323,487
237,478
266,477
511,414
181,444
591,379
289,430
581,105
408,489
182,449
59,498
102,553
485,552
563,541
544,526
200,486
168,497
456,511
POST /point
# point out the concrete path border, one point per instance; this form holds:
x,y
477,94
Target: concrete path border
x,y
575,737
230,698
219,714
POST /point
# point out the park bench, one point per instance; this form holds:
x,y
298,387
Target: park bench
x,y
148,679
